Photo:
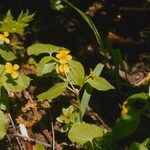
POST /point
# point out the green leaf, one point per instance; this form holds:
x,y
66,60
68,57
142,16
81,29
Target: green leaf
x,y
76,74
138,146
7,55
87,93
40,48
15,85
126,125
4,100
146,142
54,91
100,84
44,67
138,97
1,68
84,132
3,124
16,26
39,147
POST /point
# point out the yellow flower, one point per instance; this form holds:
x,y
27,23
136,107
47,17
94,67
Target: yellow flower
x,y
63,56
63,68
3,37
12,69
124,109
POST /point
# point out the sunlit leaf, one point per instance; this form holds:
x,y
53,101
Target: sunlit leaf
x,y
138,146
76,75
40,48
54,91
45,66
3,124
15,85
100,84
16,26
39,147
84,132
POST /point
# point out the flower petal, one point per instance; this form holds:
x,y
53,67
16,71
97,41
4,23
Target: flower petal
x,y
16,67
7,40
6,34
15,74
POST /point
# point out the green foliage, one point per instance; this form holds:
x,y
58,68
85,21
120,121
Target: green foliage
x,y
54,91
16,26
15,85
3,124
39,147
84,132
100,84
7,54
68,115
41,48
76,75
45,66
125,126
137,146
88,92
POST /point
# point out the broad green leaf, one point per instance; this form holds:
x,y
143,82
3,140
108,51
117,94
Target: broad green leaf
x,y
100,84
3,124
39,147
45,66
1,68
15,26
87,93
76,74
84,132
40,48
138,146
16,85
138,97
126,125
54,91
7,55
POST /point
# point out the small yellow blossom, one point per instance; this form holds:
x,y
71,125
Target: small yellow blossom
x,y
63,56
12,69
124,109
3,37
93,74
63,68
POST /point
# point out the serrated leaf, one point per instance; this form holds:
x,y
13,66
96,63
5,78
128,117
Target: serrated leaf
x,y
16,85
44,67
16,26
54,91
3,124
100,84
84,132
138,146
126,125
40,48
7,55
76,74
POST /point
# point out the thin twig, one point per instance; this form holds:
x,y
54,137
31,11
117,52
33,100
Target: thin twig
x,y
31,140
53,133
13,125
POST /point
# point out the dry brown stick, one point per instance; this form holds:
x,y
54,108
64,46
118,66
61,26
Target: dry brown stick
x,y
32,140
53,133
13,125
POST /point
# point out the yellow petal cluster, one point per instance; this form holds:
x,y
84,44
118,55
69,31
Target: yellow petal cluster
x,y
124,109
3,37
9,68
63,58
